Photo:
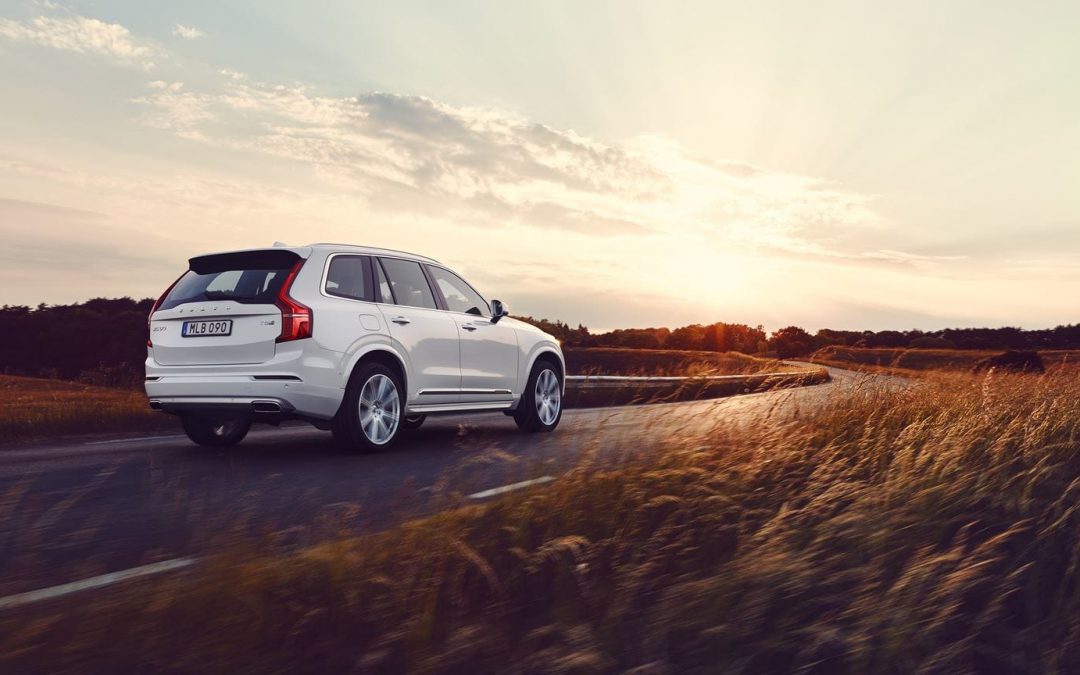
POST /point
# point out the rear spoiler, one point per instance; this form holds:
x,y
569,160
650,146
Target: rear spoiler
x,y
265,259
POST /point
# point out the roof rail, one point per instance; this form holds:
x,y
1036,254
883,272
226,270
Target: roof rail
x,y
376,248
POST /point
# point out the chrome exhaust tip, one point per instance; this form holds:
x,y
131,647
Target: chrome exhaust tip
x,y
266,406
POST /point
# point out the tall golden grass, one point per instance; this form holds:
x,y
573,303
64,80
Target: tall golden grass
x,y
37,408
915,360
932,528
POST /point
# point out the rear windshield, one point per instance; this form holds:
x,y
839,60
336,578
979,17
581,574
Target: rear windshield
x,y
253,278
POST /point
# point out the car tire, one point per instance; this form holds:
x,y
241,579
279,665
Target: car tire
x,y
540,408
215,432
412,422
371,413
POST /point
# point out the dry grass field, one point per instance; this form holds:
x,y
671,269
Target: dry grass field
x,y
32,408
37,408
914,360
665,362
926,529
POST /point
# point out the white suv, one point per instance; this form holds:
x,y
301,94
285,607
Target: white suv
x,y
360,341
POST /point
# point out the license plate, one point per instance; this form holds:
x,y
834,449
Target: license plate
x,y
206,328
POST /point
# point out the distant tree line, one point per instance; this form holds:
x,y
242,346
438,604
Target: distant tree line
x,y
716,337
795,341
103,341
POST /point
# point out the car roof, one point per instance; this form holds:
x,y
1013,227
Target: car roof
x,y
373,250
306,251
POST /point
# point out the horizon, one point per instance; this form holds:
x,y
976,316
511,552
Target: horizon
x,y
879,167
593,330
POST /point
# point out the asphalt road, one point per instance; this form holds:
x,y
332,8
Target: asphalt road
x,y
74,510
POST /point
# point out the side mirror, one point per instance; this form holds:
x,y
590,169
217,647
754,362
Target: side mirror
x,y
498,311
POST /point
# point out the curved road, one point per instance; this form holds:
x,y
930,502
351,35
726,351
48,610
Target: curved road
x,y
78,509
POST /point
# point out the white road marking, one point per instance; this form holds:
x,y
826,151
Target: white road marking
x,y
513,486
132,440
94,582
52,592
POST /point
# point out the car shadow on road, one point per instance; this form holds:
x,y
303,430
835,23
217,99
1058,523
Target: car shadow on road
x,y
302,445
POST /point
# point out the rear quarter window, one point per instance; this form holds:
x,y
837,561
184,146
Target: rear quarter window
x,y
348,276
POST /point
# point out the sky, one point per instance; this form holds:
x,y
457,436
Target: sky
x,y
855,165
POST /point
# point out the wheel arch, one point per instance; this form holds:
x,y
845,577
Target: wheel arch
x,y
549,353
383,354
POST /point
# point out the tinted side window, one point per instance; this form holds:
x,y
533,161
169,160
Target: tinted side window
x,y
383,286
459,296
408,283
348,277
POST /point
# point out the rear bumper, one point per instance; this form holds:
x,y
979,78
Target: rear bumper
x,y
236,405
241,394
300,380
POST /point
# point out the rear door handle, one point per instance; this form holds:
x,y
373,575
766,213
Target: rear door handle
x,y
469,328
400,320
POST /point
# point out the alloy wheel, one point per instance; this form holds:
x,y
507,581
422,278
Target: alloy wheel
x,y
548,397
380,409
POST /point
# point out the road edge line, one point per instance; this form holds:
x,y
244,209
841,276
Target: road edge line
x,y
42,594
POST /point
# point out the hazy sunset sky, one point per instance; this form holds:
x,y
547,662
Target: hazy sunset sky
x,y
841,164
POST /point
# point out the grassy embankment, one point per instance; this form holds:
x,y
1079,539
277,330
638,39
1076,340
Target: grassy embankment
x,y
34,408
666,362
932,528
758,375
38,408
913,361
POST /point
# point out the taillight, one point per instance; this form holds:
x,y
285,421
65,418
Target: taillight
x,y
295,317
150,316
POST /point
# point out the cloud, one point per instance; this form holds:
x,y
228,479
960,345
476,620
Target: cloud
x,y
162,84
556,222
812,251
35,262
187,32
178,110
489,168
82,35
23,211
